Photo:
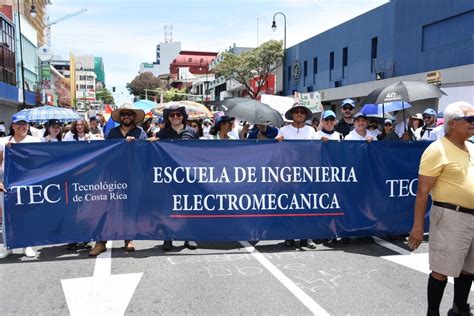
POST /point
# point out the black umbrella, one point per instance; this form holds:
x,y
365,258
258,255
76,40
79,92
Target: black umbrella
x,y
252,111
403,91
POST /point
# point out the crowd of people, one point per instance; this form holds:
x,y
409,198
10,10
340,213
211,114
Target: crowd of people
x,y
446,168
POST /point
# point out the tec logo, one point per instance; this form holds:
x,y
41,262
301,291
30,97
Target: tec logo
x,y
37,194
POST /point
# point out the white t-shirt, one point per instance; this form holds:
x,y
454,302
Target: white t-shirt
x,y
291,132
353,135
334,136
429,135
69,137
400,127
51,140
10,139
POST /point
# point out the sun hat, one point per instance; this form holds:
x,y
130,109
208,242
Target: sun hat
x,y
139,114
175,107
296,105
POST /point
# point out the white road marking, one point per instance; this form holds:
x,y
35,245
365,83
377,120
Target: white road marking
x,y
103,262
314,307
103,293
391,246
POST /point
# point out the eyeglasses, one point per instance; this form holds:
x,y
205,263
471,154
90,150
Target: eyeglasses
x,y
426,117
175,114
387,124
347,108
299,111
123,114
329,119
469,119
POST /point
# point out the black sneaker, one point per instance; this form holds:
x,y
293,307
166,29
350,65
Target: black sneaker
x,y
456,311
167,245
191,245
71,246
289,242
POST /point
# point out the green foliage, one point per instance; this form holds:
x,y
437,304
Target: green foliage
x,y
143,81
105,96
256,64
174,94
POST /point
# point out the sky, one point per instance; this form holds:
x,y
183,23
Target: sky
x,y
125,33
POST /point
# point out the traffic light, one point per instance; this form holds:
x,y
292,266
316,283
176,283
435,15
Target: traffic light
x,y
113,89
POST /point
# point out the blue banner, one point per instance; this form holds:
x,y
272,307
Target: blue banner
x,y
208,190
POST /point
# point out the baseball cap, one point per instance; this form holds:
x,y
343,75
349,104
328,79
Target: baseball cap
x,y
430,111
388,121
360,115
17,117
348,102
54,122
328,113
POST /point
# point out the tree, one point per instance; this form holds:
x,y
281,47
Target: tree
x,y
144,81
174,94
105,96
256,64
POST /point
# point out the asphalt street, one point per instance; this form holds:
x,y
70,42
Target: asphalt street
x,y
356,278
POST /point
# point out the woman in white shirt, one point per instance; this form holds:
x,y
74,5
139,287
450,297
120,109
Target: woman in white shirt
x,y
328,132
79,132
53,132
19,134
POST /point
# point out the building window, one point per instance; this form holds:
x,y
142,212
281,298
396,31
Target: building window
x,y
373,53
331,65
305,72
315,69
7,53
344,61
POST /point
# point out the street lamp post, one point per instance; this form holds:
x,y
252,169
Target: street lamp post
x,y
75,69
274,27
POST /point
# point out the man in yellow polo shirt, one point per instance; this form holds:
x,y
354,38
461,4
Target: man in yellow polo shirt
x,y
447,170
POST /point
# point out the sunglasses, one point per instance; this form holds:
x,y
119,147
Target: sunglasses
x,y
469,119
299,111
123,114
175,114
347,108
426,117
330,119
387,124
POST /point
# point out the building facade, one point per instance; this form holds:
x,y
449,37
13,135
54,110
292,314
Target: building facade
x,y
400,40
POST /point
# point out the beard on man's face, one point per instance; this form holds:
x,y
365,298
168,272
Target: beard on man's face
x,y
127,122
